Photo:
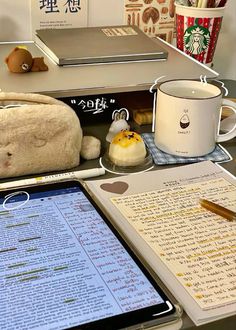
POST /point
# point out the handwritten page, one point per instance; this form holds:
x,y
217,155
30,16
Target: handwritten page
x,y
196,245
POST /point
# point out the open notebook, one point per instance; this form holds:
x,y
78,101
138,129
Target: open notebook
x,y
191,249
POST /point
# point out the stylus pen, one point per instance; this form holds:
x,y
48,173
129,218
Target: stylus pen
x,y
219,210
83,174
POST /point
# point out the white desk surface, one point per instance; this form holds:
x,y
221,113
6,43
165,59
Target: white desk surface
x,y
108,78
98,79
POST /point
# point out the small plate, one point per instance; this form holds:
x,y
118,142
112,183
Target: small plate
x,y
109,166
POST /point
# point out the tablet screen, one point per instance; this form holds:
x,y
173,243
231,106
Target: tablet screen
x,y
62,265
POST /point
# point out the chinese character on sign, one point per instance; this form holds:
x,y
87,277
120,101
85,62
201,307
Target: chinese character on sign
x,y
50,6
73,6
58,14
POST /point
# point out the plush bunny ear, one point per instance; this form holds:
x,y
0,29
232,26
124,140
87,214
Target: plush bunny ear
x,y
115,115
124,114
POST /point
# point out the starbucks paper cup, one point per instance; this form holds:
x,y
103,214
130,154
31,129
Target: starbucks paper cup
x,y
197,31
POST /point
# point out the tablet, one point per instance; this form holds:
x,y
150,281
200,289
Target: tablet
x,y
63,265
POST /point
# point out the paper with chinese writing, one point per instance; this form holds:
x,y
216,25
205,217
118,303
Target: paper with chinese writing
x,y
197,246
58,14
175,232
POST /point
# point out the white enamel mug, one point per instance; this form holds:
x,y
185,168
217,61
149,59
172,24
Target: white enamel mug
x,y
187,120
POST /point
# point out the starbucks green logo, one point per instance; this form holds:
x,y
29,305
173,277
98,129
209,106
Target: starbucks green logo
x,y
196,39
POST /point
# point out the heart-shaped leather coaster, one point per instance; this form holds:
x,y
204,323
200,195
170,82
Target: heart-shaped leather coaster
x,y
117,187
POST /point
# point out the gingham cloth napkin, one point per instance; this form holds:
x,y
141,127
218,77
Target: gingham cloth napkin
x,y
162,158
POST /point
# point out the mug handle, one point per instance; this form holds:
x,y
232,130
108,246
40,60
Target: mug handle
x,y
232,133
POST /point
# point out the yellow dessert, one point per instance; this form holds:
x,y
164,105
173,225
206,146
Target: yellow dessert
x,y
127,149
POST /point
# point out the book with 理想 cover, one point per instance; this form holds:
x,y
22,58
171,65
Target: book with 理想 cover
x,y
191,249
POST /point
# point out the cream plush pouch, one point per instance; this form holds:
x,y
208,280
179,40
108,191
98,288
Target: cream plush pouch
x,y
37,134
